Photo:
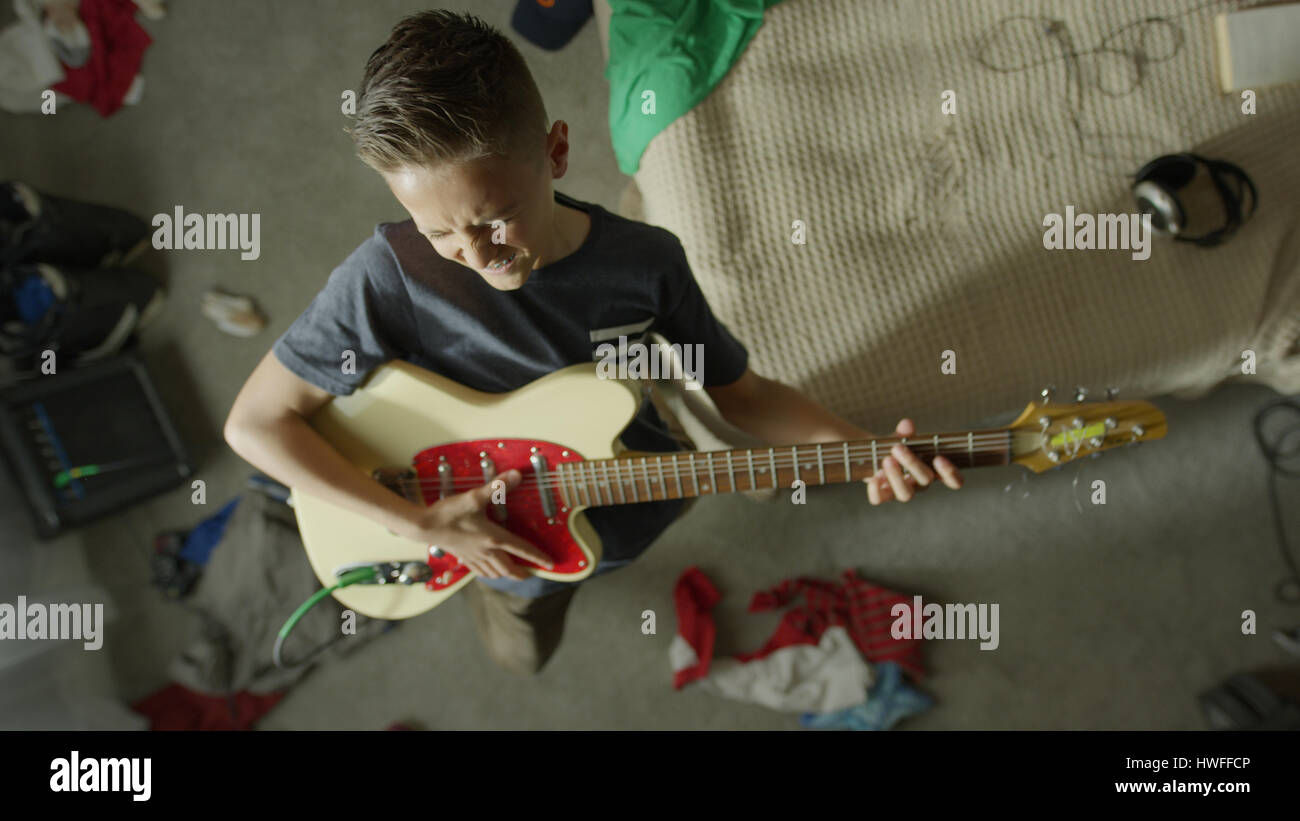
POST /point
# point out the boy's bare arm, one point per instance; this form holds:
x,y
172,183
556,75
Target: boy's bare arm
x,y
777,413
268,427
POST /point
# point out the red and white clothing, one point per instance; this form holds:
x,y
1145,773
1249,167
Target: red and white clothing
x,y
818,658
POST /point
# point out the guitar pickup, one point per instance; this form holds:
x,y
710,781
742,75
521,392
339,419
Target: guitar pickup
x,y
489,473
543,485
446,486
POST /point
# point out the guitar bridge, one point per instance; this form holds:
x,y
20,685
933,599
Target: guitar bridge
x,y
402,481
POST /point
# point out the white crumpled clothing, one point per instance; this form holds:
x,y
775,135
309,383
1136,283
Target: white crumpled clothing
x,y
27,62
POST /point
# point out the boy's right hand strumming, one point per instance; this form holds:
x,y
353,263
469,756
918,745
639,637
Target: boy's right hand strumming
x,y
459,525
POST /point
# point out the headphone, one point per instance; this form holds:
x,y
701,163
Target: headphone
x,y
1156,188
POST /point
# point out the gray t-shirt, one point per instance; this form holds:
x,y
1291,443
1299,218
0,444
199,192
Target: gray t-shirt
x,y
394,297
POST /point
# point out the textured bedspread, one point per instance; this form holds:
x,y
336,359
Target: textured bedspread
x,y
924,230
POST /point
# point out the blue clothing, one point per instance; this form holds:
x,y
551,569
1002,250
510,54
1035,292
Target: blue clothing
x,y
889,701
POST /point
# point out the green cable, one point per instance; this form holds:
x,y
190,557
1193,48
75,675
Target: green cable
x,y
361,574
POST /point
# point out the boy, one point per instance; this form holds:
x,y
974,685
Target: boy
x,y
495,281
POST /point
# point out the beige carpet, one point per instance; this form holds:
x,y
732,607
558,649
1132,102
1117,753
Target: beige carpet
x,y
925,230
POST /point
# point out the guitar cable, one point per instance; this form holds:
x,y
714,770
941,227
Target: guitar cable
x,y
1275,453
357,576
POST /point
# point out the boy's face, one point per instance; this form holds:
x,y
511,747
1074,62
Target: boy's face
x,y
454,206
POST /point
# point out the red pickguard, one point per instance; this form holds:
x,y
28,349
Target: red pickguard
x,y
524,514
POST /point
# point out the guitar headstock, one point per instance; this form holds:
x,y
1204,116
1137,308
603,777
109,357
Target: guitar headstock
x,y
1049,434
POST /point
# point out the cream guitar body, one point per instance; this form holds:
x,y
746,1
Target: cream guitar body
x,y
403,410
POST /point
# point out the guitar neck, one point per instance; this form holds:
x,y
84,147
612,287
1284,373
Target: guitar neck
x,y
657,477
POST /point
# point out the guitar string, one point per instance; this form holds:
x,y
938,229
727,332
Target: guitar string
x,y
573,480
529,503
604,472
830,451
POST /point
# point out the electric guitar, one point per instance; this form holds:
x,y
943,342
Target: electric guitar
x,y
426,437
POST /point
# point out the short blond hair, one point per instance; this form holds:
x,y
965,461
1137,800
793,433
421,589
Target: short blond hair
x,y
446,88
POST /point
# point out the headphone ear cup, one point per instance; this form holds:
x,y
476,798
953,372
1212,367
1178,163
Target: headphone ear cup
x,y
1167,216
1173,171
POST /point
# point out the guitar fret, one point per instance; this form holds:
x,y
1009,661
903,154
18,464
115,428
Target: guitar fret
x,y
874,469
649,491
821,469
677,477
731,473
564,491
631,475
582,485
695,477
936,447
618,481
771,457
663,485
713,477
794,454
848,471
588,476
970,448
753,482
595,481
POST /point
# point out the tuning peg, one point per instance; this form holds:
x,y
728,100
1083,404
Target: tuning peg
x,y
1047,392
1111,393
1080,393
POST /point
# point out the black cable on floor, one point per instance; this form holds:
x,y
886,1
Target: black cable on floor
x,y
1285,447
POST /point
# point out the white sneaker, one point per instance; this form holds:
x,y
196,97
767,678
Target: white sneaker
x,y
233,314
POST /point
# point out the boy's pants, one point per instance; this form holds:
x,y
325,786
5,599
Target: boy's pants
x,y
521,634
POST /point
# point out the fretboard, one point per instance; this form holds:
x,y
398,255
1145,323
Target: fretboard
x,y
656,477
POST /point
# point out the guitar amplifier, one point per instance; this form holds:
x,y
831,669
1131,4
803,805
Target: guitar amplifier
x,y
87,442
